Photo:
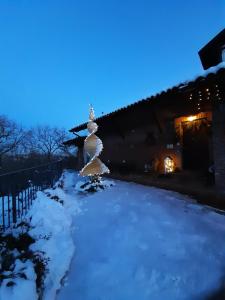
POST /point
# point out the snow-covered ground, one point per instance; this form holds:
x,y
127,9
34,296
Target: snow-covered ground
x,y
128,242
138,242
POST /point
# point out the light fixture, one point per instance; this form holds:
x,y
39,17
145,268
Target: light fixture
x,y
191,118
168,165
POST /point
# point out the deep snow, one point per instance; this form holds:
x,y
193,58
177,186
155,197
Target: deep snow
x,y
137,242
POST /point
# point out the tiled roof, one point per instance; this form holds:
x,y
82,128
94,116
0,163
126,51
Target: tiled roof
x,y
210,75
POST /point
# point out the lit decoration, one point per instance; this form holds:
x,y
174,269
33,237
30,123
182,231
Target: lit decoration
x,y
191,118
93,147
199,98
95,167
168,165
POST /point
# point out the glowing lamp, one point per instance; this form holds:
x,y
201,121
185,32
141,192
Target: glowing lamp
x,y
168,165
191,118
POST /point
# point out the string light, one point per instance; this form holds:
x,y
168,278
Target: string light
x,y
207,94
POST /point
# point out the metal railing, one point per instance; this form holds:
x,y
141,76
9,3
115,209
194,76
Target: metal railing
x,y
18,190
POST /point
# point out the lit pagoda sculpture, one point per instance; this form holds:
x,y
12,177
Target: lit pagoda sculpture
x,y
95,167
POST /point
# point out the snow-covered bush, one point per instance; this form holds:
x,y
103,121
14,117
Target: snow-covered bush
x,y
19,265
93,185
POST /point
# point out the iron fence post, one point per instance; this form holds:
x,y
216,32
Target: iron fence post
x,y
14,210
18,190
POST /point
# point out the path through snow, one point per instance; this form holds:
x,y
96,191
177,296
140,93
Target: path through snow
x,y
137,243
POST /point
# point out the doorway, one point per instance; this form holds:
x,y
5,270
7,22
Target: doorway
x,y
196,136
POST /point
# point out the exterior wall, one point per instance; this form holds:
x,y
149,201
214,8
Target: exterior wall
x,y
139,141
142,148
137,146
219,145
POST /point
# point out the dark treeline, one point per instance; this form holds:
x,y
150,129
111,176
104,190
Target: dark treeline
x,y
23,148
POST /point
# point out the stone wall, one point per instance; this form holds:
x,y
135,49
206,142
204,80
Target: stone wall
x,y
141,148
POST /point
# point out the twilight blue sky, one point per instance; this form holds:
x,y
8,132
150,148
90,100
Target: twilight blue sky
x,y
56,57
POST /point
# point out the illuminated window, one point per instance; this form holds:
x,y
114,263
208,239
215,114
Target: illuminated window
x,y
168,165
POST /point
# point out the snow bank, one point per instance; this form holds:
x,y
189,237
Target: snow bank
x,y
54,220
51,226
51,219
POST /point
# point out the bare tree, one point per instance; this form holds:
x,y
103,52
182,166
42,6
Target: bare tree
x,y
49,140
20,148
11,136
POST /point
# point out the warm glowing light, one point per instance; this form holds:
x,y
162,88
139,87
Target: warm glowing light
x,y
168,165
191,118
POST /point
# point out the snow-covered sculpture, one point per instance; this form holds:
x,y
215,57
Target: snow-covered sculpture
x,y
95,167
